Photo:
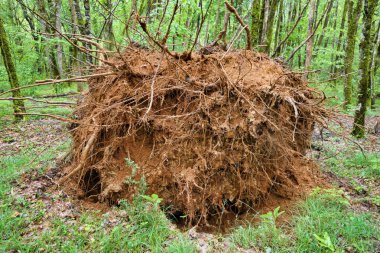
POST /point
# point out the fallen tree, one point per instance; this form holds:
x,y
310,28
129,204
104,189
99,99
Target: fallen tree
x,y
213,134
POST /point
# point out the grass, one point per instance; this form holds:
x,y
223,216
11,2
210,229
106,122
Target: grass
x,y
324,222
142,227
324,212
355,165
6,110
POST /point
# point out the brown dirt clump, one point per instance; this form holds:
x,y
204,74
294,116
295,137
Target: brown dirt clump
x,y
219,133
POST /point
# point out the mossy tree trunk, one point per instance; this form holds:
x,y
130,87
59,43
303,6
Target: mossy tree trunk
x,y
269,31
87,26
353,19
18,105
256,22
280,23
366,47
376,44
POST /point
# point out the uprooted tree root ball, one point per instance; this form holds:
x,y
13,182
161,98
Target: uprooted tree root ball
x,y
218,133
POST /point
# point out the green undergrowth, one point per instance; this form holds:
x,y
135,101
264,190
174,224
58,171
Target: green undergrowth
x,y
335,96
6,109
323,223
141,227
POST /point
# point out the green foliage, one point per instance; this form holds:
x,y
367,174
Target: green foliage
x,y
265,236
326,242
271,217
143,226
354,164
326,213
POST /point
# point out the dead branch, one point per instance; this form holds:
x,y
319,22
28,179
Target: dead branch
x,y
170,24
311,35
223,32
163,47
152,88
60,95
48,82
84,155
162,18
291,30
203,18
38,101
81,49
48,115
234,11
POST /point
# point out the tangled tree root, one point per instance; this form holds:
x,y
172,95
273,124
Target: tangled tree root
x,y
218,133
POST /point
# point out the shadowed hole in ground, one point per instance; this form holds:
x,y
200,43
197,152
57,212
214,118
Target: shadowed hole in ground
x,y
90,184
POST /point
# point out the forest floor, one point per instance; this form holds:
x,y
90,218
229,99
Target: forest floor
x,y
35,217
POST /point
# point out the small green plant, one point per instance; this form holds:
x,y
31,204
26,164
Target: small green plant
x,y
154,199
133,165
334,194
271,217
326,242
130,180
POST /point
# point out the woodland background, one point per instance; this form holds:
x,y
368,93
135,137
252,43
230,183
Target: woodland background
x,y
50,47
327,40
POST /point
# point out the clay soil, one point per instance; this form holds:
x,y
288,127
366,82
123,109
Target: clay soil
x,y
217,134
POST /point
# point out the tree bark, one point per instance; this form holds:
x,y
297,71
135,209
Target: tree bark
x,y
340,41
269,27
29,19
75,29
108,33
365,58
18,105
374,56
44,29
255,25
309,44
325,25
279,27
58,32
264,21
353,19
87,26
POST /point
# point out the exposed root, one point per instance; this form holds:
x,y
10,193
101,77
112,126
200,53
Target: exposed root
x,y
211,135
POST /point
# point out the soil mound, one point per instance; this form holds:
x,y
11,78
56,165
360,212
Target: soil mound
x,y
219,133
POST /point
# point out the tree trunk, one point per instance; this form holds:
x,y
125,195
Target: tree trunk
x,y
264,22
58,31
325,25
309,44
87,26
255,25
353,19
327,40
279,27
269,28
18,105
75,29
53,62
341,33
375,53
44,29
365,58
29,19
108,33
